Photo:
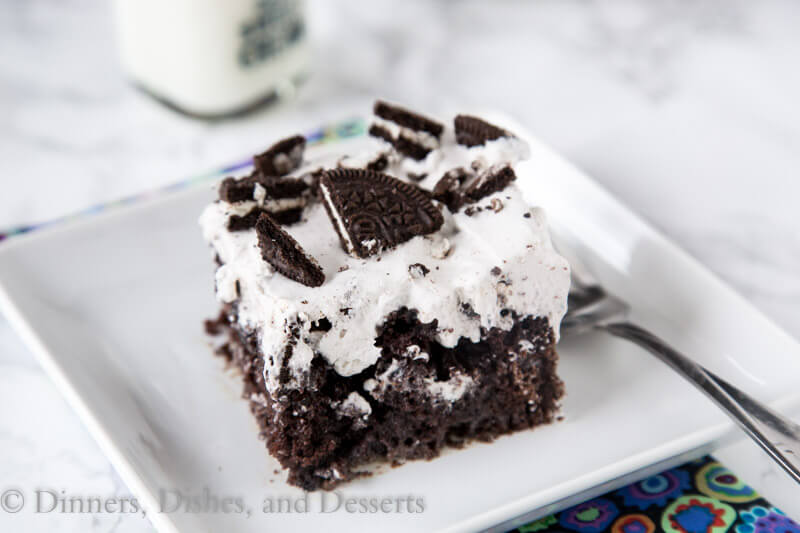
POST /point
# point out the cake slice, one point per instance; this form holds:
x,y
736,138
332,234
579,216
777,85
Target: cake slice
x,y
386,304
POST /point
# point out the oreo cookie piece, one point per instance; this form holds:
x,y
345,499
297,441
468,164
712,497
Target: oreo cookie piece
x,y
448,189
248,221
379,163
234,190
286,256
491,180
472,131
411,148
381,133
455,189
407,119
415,136
372,211
282,157
401,143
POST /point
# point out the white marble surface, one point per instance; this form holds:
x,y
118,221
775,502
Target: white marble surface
x,y
688,111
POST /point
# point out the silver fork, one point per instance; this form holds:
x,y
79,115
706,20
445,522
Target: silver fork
x,y
591,307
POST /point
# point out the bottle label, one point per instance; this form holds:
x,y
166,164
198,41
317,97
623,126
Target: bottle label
x,y
275,26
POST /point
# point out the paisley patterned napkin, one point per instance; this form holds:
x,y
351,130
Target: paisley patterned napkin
x,y
699,497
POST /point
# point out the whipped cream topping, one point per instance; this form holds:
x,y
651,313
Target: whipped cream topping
x,y
355,406
499,257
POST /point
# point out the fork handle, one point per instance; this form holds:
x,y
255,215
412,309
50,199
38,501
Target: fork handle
x,y
777,435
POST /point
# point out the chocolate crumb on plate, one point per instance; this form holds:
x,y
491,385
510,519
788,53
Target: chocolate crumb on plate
x,y
372,211
282,157
286,256
472,131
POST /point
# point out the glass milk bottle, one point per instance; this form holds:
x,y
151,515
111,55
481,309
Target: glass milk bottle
x,y
212,58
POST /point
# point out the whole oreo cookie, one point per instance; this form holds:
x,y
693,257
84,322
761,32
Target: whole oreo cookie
x,y
286,256
372,211
282,157
472,131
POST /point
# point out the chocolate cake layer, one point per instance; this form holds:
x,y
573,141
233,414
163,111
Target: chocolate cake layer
x,y
514,386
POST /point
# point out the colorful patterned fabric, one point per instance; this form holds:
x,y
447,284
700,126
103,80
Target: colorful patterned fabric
x,y
699,497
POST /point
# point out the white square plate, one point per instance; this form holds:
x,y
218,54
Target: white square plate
x,y
113,307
